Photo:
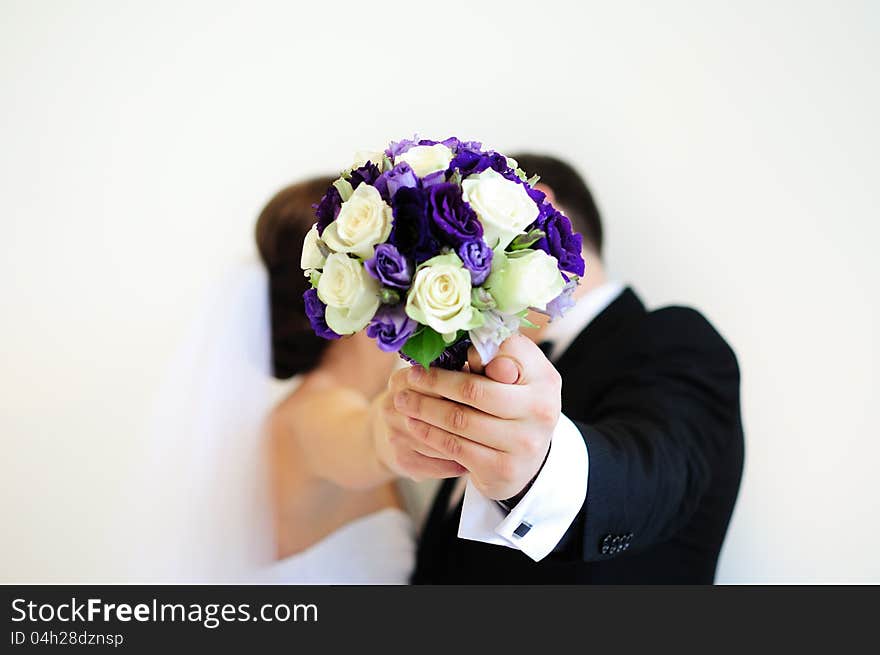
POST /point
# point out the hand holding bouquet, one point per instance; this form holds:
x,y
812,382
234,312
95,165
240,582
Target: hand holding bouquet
x,y
434,246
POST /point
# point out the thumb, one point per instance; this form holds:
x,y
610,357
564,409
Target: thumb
x,y
504,369
517,357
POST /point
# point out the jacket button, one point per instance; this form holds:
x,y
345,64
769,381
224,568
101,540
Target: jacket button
x,y
612,544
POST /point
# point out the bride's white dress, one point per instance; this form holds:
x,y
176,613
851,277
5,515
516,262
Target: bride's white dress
x,y
200,510
375,549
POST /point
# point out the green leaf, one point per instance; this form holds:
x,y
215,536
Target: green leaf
x,y
344,188
533,180
314,277
523,319
523,241
424,346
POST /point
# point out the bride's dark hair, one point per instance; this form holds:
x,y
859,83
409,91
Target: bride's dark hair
x,y
281,228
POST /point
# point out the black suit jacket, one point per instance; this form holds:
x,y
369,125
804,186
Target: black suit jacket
x,y
656,397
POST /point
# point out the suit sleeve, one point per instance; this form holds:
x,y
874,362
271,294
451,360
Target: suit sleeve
x,y
667,416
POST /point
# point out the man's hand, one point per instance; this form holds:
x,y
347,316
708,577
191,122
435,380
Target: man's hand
x,y
417,464
498,427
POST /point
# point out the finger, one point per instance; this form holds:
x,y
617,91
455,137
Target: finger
x,y
477,391
419,466
398,432
397,381
412,442
475,362
473,456
456,418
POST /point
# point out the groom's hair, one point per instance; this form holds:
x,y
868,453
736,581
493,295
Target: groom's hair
x,y
281,229
573,195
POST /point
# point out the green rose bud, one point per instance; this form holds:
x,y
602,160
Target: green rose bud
x,y
523,279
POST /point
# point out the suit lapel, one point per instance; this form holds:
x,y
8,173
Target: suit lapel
x,y
593,341
608,322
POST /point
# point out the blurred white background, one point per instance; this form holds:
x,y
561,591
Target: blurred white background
x,y
733,148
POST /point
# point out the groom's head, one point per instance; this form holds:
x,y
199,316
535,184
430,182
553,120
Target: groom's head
x,y
569,192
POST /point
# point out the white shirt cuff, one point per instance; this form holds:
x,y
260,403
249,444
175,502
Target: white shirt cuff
x,y
539,521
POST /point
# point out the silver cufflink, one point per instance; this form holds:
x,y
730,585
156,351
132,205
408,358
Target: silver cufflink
x,y
522,529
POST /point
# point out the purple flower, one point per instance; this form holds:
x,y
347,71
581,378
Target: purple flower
x,y
433,179
453,143
368,173
452,359
315,310
327,210
561,303
476,256
411,230
539,196
496,328
389,266
449,143
401,176
391,327
470,162
560,241
399,147
466,161
452,216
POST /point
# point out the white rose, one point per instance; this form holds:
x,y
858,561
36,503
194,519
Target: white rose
x,y
440,296
523,279
361,157
351,295
364,220
503,207
312,255
425,160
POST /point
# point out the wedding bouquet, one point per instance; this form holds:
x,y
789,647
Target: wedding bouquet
x,y
435,245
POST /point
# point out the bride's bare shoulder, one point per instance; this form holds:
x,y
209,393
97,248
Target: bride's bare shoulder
x,y
350,374
313,387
